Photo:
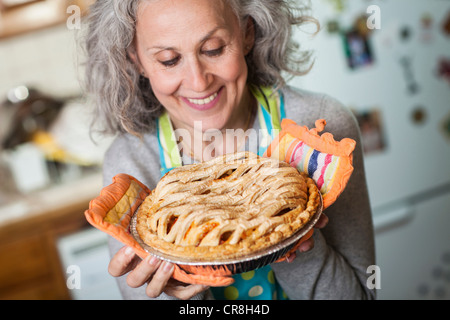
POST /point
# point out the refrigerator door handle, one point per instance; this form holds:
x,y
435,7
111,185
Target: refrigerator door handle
x,y
393,217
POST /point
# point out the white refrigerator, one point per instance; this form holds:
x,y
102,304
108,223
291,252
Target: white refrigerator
x,y
390,62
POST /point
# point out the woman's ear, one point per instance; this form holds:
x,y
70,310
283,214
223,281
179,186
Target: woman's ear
x,y
132,55
249,36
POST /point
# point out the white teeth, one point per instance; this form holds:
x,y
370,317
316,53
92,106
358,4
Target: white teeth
x,y
203,101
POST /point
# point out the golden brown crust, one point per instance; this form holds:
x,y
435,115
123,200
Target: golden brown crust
x,y
227,207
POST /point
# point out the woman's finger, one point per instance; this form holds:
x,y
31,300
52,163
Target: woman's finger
x,y
122,262
322,222
183,291
143,271
307,245
156,286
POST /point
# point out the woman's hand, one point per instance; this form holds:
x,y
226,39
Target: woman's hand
x,y
309,244
155,273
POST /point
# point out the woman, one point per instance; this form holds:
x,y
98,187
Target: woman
x,y
196,67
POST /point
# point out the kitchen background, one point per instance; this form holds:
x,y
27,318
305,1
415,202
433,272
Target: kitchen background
x,y
395,76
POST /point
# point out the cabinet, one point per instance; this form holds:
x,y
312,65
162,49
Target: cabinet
x,y
30,267
21,16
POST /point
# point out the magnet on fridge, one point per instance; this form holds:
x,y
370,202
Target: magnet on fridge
x,y
419,115
372,132
338,5
357,49
361,26
426,22
333,26
411,84
445,127
446,25
405,33
443,70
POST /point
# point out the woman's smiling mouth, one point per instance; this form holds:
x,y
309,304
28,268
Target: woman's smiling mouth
x,y
204,104
203,101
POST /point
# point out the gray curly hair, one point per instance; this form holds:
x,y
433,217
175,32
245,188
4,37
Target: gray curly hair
x,y
124,98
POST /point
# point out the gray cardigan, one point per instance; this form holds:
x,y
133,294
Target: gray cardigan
x,y
336,268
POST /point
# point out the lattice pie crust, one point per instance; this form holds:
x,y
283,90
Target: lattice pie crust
x,y
227,207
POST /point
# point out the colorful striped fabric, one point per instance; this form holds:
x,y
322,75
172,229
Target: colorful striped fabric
x,y
169,154
270,113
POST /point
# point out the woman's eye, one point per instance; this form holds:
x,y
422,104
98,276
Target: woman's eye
x,y
215,52
171,62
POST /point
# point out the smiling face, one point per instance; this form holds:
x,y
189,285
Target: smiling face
x,y
193,53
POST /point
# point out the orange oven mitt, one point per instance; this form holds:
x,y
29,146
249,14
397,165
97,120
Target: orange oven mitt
x,y
111,212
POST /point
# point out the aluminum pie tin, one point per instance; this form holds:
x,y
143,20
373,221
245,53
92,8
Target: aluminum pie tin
x,y
252,261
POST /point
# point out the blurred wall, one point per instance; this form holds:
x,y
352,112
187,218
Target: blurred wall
x,y
46,59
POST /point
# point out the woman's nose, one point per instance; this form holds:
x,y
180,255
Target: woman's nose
x,y
197,76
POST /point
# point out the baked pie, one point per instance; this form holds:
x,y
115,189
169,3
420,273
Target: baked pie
x,y
227,207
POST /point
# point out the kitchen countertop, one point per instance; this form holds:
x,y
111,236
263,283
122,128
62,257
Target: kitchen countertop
x,y
51,200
